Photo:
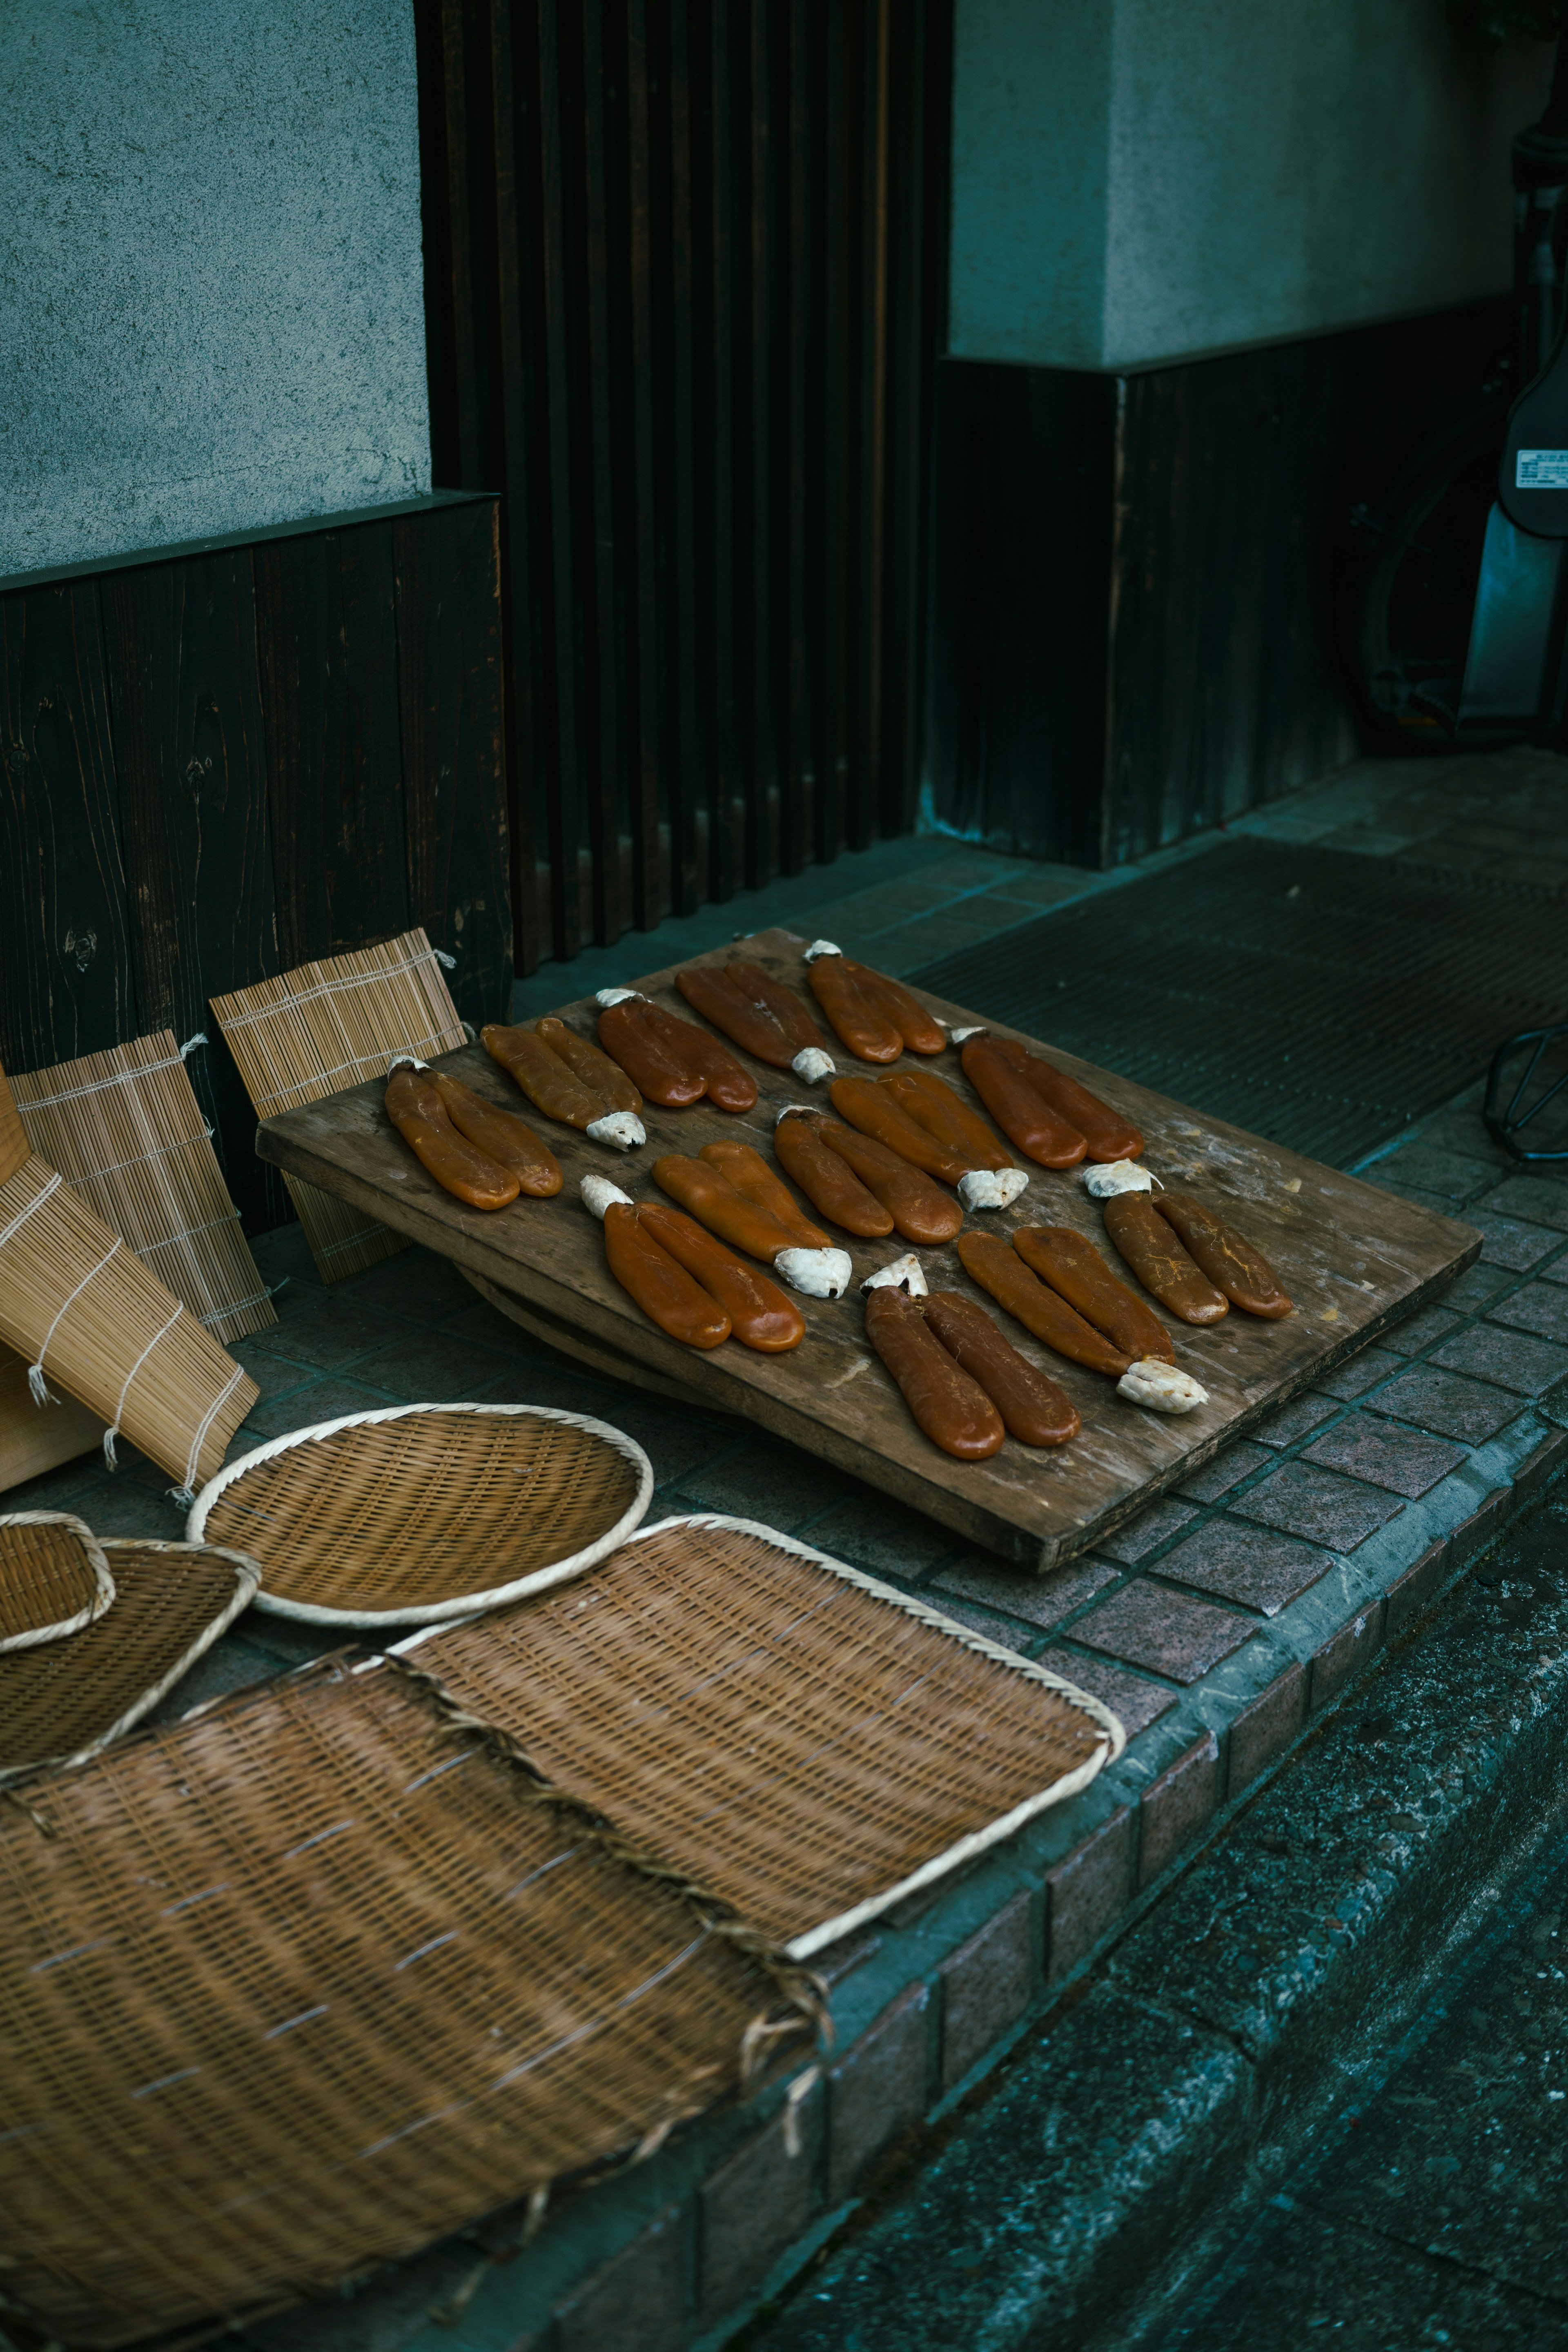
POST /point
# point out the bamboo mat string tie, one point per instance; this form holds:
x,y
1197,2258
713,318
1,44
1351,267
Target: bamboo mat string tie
x,y
112,1432
189,1047
442,957
18,1221
36,1383
185,1495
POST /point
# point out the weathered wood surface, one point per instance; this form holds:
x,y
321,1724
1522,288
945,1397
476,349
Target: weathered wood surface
x,y
1354,1260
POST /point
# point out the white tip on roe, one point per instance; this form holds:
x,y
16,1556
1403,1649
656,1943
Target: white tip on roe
x,y
813,1065
792,1110
821,948
406,1062
1105,1178
598,1195
991,1188
615,995
905,1273
1160,1387
819,1273
958,1035
622,1127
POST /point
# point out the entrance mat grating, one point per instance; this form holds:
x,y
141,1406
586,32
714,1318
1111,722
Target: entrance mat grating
x,y
1320,997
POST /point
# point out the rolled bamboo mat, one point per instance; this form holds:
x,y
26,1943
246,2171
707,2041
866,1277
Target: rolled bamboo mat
x,y
80,1307
324,1026
126,1132
318,1975
66,1700
808,1743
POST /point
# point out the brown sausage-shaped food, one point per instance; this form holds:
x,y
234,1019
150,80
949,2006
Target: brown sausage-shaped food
x,y
543,1077
909,1017
996,1268
673,1063
1108,1135
752,1177
1034,1408
1019,1110
1075,1269
953,1410
414,1106
788,1010
870,1107
634,1035
586,1063
828,1182
1227,1257
922,1212
715,995
708,1196
922,1096
1150,1248
661,1286
502,1135
760,1314
858,1020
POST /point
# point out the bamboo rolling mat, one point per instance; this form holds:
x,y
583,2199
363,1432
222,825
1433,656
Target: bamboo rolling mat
x,y
80,1308
126,1132
326,1025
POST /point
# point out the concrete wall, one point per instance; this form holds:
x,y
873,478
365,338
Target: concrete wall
x,y
1144,179
211,290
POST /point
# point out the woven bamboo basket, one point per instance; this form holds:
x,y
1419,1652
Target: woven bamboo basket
x,y
68,1700
54,1579
304,1982
126,1131
808,1742
425,1511
82,1309
324,1026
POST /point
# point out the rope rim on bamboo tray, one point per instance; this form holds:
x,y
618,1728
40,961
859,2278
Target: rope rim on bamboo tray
x,y
69,1568
952,1857
122,1665
280,1601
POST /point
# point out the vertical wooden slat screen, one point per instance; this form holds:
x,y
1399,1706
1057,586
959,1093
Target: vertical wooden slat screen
x,y
684,282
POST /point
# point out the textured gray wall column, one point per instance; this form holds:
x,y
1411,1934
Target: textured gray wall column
x,y
210,289
1137,181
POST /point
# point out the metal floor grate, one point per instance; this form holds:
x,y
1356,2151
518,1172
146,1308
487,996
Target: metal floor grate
x,y
1322,998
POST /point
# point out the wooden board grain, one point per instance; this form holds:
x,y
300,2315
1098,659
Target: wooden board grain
x,y
1354,1259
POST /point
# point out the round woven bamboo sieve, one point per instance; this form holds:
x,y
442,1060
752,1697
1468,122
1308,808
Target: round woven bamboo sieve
x,y
807,1742
54,1577
306,1982
425,1511
68,1700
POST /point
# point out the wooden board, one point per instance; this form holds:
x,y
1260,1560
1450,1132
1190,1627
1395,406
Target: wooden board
x,y
1354,1259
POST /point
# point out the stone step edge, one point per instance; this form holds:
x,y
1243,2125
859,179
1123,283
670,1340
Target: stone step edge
x,y
1182,2101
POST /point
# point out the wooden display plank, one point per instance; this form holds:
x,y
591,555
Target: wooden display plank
x,y
1355,1260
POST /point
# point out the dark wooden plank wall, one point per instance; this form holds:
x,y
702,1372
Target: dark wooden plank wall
x,y
685,268
217,767
1138,619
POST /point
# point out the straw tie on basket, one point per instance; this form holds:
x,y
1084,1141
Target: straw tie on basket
x,y
36,1383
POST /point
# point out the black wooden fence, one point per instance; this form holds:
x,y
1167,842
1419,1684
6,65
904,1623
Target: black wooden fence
x,y
685,263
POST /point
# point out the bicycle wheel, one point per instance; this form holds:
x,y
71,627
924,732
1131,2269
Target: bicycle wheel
x,y
1417,594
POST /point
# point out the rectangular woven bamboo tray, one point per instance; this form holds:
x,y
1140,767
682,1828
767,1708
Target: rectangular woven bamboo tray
x,y
1354,1259
316,1975
798,1737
